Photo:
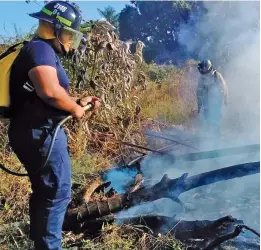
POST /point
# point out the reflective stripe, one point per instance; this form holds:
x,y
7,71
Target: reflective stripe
x,y
61,19
46,11
64,21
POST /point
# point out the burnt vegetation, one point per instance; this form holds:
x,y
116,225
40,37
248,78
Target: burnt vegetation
x,y
116,63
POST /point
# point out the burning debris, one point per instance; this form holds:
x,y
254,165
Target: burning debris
x,y
101,204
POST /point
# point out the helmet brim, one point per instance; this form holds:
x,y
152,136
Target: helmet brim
x,y
39,16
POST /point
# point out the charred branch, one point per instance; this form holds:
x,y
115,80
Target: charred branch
x,y
166,188
204,235
251,230
220,239
172,188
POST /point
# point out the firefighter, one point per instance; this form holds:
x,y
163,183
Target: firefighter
x,y
212,93
39,100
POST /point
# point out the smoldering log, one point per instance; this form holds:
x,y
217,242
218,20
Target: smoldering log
x,y
94,209
181,229
204,234
166,188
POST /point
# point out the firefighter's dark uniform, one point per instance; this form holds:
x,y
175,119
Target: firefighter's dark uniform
x,y
30,134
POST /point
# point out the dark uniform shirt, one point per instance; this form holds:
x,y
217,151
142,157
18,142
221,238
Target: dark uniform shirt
x,y
27,109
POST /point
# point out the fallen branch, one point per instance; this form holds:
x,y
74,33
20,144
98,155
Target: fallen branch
x,y
172,188
251,230
219,240
166,188
204,235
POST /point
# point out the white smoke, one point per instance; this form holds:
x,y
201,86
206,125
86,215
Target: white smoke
x,y
229,36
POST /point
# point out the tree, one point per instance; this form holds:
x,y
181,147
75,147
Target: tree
x,y
109,13
178,30
129,24
156,23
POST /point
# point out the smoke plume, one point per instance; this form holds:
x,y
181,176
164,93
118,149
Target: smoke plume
x,y
228,35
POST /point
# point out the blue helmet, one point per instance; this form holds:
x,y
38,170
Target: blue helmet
x,y
64,16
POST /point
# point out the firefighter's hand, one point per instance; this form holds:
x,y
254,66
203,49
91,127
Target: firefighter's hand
x,y
78,112
95,101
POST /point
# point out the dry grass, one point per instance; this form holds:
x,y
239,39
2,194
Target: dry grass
x,y
160,102
14,191
171,100
94,146
129,237
112,237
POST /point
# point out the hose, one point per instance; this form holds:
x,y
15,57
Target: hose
x,y
57,128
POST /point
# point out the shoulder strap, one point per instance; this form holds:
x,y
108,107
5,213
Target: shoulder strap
x,y
11,49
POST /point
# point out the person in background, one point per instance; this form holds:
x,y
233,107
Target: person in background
x,y
212,93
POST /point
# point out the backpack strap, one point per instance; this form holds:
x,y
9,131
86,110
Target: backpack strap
x,y
11,49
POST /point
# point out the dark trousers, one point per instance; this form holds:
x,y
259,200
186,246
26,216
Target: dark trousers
x,y
51,187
